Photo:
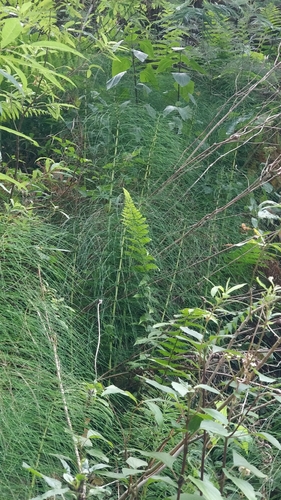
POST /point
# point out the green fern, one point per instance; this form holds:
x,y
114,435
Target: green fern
x,y
136,236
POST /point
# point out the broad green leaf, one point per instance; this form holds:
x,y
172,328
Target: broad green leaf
x,y
147,75
161,387
147,47
207,388
194,423
158,415
19,134
217,415
271,439
131,472
112,389
209,491
165,479
52,493
183,388
115,80
239,461
192,333
141,56
61,47
136,462
264,378
214,428
182,79
120,64
54,483
246,488
163,457
10,31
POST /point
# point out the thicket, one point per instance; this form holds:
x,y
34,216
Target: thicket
x,y
140,250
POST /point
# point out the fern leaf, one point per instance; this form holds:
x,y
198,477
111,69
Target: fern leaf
x,y
136,236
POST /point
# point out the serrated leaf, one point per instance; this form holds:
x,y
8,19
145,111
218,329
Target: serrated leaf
x,y
243,485
209,491
115,80
158,415
10,31
141,56
182,79
214,428
271,439
112,389
136,462
239,461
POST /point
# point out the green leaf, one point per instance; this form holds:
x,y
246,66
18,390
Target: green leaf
x,y
156,412
217,415
19,134
136,462
246,488
207,388
131,472
52,493
165,479
10,31
12,80
163,388
239,461
182,388
141,56
165,458
147,47
271,439
7,178
214,428
120,64
192,333
115,80
207,488
61,47
264,378
182,79
112,389
30,469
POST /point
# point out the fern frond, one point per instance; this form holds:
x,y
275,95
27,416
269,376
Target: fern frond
x,y
136,236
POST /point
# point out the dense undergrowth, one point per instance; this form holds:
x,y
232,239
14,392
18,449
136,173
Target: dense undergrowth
x,y
140,250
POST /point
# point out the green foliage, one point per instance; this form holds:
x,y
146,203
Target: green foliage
x,y
136,236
